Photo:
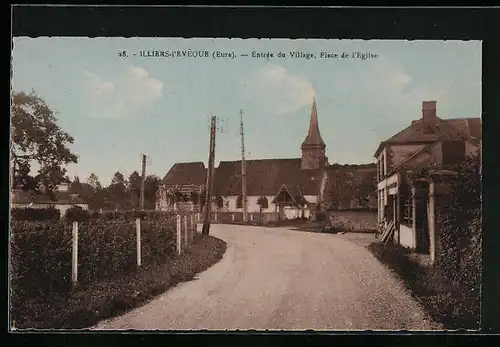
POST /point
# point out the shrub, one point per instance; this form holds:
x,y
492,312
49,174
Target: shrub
x,y
35,214
76,213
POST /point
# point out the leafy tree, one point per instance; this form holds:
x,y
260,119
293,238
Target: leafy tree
x,y
36,137
151,187
93,181
117,193
76,186
134,188
118,178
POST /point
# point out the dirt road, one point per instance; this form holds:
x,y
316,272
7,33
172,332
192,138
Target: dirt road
x,y
280,279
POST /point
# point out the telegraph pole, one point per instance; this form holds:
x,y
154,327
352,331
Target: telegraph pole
x,y
209,180
143,179
243,171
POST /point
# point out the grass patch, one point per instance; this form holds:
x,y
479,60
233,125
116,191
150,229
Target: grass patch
x,y
444,302
86,306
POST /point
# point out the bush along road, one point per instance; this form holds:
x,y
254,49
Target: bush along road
x,y
87,304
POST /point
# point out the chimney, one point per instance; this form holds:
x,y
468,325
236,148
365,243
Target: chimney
x,y
429,112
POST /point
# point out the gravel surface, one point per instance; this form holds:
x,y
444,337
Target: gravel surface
x,y
279,279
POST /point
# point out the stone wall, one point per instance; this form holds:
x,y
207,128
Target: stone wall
x,y
354,220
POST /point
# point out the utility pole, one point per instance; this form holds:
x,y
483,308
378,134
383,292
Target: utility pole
x,y
209,180
243,171
143,179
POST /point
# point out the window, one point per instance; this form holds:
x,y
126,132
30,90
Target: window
x,y
407,217
239,202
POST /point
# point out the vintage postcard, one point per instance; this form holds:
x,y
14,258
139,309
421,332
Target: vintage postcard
x,y
250,184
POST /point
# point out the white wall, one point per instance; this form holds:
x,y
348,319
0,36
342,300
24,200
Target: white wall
x,y
252,205
406,236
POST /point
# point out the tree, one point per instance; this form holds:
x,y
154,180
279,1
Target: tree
x,y
36,137
151,187
117,191
195,197
93,181
118,178
134,188
76,186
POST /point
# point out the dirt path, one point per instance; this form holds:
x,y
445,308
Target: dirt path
x,y
273,278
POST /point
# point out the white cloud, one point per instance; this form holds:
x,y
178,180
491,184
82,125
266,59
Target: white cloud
x,y
387,89
280,91
128,94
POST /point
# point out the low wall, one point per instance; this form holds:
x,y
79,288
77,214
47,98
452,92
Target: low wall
x,y
354,220
237,217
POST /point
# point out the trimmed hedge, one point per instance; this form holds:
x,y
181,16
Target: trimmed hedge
x,y
41,252
41,258
35,214
158,240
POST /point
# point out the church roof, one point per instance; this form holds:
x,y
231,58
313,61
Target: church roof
x,y
313,138
186,173
265,177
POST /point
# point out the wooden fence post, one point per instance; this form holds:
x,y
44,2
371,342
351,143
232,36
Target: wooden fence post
x,y
138,239
179,236
74,263
232,217
186,230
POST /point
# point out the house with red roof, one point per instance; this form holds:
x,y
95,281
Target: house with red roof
x,y
407,202
290,188
62,199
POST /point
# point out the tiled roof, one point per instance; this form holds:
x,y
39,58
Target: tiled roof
x,y
186,173
22,197
470,128
265,177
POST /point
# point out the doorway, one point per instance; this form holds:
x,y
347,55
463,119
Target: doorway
x,y
422,227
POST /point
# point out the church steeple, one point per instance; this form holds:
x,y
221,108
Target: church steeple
x,y
313,137
313,147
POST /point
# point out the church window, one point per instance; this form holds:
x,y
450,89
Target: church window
x,y
263,202
239,202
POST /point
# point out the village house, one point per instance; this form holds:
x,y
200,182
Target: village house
x,y
62,200
276,188
408,202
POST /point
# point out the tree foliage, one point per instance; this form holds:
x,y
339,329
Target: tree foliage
x,y
459,258
36,137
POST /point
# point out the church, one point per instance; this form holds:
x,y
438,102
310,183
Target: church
x,y
287,188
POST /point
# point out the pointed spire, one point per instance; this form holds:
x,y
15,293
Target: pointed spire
x,y
313,136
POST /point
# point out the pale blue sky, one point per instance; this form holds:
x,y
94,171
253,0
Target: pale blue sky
x,y
117,108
